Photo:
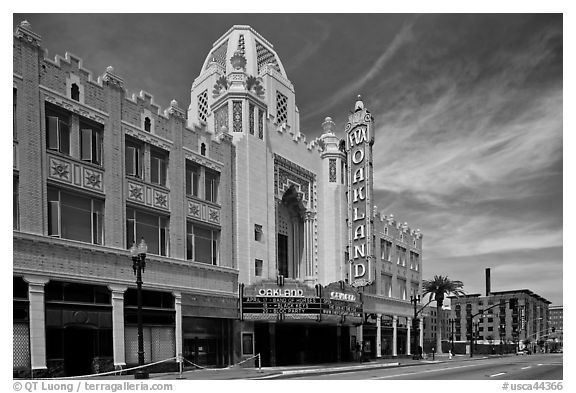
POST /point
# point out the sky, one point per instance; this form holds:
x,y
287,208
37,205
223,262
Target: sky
x,y
468,111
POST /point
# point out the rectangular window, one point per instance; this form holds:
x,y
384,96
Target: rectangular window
x,y
202,244
15,205
158,164
133,159
91,143
257,232
258,267
57,131
414,260
401,254
211,182
386,248
152,227
75,217
192,179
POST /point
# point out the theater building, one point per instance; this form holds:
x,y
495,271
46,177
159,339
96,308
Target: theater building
x,y
259,240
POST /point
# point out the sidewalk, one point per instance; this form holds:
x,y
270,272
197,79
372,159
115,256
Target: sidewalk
x,y
317,369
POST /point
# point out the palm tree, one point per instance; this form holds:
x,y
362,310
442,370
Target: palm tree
x,y
440,287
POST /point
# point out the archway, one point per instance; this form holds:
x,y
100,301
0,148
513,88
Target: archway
x,y
290,234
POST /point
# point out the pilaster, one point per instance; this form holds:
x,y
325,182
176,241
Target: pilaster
x,y
378,335
37,320
178,332
119,350
408,339
394,335
113,159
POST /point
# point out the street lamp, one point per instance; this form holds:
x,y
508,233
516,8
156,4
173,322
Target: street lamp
x,y
138,254
452,321
415,322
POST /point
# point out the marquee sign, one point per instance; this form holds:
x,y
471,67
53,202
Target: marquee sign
x,y
359,141
269,301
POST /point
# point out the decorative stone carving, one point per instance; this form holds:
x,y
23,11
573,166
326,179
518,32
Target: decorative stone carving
x,y
220,85
254,85
238,61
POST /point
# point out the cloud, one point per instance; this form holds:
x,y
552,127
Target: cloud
x,y
311,48
352,88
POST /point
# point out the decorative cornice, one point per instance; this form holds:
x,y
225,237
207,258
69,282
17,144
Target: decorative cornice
x,y
74,106
146,137
202,160
175,111
112,79
25,34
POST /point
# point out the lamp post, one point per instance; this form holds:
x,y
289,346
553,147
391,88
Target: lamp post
x,y
138,254
452,321
415,322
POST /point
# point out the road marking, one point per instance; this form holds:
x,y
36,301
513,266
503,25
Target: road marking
x,y
423,372
495,375
524,368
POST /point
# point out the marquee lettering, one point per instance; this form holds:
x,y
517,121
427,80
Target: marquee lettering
x,y
278,292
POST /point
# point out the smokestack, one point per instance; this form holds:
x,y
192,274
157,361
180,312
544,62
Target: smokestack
x,y
487,281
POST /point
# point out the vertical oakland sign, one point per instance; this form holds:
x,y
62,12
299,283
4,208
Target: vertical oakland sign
x,y
359,141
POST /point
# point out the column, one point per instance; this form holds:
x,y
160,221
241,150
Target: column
x,y
37,321
408,340
378,336
178,322
421,329
309,244
119,349
394,335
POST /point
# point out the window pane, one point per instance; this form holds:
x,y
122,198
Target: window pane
x,y
54,218
76,217
64,137
86,144
97,148
130,160
52,125
203,249
155,170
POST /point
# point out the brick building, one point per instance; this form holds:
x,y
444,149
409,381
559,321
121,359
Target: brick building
x,y
556,318
237,208
515,316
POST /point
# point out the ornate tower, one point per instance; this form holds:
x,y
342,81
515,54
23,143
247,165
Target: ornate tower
x,y
334,211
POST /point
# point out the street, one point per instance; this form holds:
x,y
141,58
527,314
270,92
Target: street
x,y
532,367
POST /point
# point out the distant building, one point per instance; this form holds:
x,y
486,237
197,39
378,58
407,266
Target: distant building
x,y
515,316
556,323
433,327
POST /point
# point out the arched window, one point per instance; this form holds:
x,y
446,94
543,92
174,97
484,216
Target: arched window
x,y
147,124
75,92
